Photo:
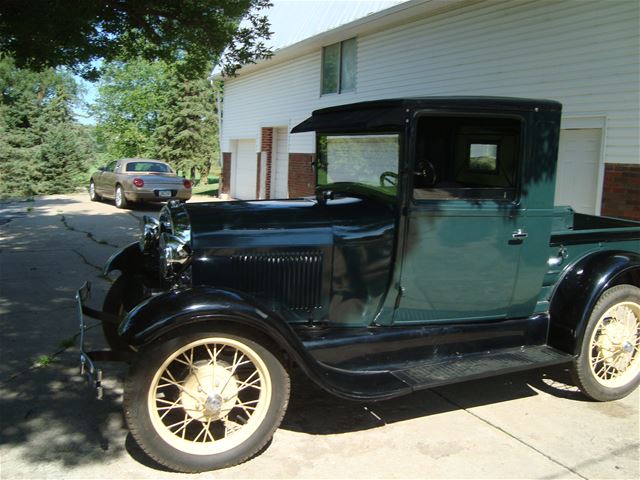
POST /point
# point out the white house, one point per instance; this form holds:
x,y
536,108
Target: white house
x,y
585,54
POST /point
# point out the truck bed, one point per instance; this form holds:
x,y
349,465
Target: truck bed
x,y
577,228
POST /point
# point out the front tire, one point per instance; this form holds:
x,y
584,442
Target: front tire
x,y
119,198
92,192
124,294
204,401
608,367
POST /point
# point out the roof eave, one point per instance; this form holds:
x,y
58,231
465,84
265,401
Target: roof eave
x,y
390,17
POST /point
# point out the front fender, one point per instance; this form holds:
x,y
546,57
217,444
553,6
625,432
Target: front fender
x,y
128,259
162,313
578,292
177,309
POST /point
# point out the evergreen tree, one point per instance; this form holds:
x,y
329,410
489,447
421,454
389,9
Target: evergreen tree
x,y
188,131
35,113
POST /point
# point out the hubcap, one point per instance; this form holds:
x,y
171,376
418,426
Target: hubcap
x,y
92,190
614,355
209,396
118,196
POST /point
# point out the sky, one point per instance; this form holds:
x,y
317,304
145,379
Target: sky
x,y
291,21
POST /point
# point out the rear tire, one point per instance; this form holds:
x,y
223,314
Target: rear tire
x,y
119,198
608,367
203,401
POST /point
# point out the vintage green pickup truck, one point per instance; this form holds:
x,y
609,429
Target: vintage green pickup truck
x,y
432,253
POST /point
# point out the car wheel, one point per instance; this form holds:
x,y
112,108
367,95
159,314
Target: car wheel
x,y
120,199
123,295
204,401
608,367
92,192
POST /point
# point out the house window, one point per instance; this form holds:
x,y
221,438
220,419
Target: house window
x,y
339,67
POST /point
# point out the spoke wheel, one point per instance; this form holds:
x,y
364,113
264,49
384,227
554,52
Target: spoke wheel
x,y
614,354
210,400
608,366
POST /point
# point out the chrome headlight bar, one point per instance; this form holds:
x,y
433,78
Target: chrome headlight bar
x,y
175,239
150,233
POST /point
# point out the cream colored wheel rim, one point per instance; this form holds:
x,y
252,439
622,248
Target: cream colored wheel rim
x,y
614,356
209,396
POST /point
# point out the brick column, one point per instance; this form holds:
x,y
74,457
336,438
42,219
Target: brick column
x,y
621,190
266,145
225,175
302,177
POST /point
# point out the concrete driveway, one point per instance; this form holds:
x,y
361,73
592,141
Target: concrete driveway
x,y
531,425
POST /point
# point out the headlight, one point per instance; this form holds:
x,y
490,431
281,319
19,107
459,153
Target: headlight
x,y
174,255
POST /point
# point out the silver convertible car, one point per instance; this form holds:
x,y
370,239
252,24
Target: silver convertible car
x,y
138,180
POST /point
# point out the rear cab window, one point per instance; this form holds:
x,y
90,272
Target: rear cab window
x,y
460,158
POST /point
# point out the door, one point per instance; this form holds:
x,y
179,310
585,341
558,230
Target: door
x,y
460,263
464,226
578,167
281,164
105,182
245,171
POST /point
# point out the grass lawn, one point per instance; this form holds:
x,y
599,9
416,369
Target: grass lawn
x,y
210,188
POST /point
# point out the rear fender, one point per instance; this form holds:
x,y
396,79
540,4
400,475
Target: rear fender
x,y
579,290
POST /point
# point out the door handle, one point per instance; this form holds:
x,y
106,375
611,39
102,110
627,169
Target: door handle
x,y
519,234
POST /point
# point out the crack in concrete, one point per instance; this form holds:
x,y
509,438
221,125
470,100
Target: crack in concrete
x,y
89,235
134,215
86,261
65,345
493,425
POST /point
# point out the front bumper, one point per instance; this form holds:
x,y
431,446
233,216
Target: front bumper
x,y
88,358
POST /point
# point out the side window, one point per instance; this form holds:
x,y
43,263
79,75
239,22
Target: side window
x,y
339,67
111,167
466,158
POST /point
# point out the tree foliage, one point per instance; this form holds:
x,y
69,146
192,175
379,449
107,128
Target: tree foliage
x,y
191,33
42,149
132,96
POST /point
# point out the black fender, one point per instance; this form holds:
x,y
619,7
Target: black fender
x,y
127,259
171,311
579,290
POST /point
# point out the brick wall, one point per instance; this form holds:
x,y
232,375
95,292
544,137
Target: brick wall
x,y
225,175
266,145
621,191
302,178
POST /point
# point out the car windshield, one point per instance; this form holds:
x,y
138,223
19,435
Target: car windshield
x,y
359,159
148,167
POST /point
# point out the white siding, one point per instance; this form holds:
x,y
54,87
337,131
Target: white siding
x,y
583,53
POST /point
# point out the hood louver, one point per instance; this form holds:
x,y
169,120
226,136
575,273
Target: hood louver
x,y
292,279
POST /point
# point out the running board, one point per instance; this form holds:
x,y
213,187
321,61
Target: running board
x,y
479,365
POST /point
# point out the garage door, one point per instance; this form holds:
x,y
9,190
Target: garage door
x,y
245,170
578,167
281,171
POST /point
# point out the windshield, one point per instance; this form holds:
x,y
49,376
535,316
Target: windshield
x,y
148,167
365,160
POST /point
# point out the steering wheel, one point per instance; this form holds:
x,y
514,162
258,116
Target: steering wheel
x,y
389,177
427,171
